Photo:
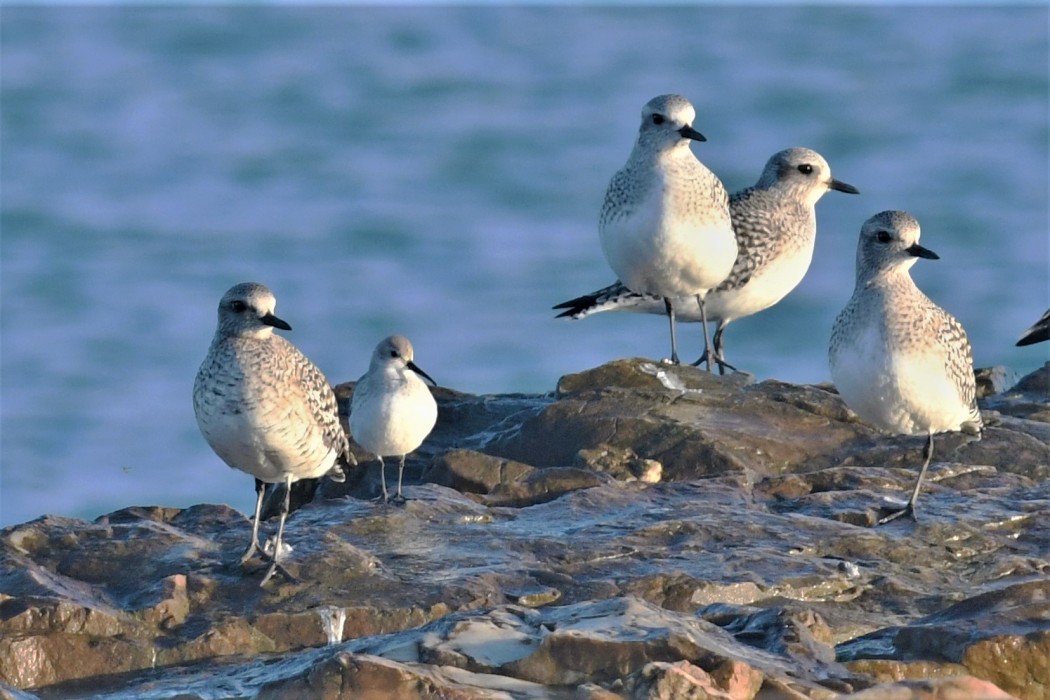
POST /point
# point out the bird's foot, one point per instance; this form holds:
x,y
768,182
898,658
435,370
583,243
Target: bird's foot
x,y
266,554
253,549
908,510
723,366
708,357
705,358
274,568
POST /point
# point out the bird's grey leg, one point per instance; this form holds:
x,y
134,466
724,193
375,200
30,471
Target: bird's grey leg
x,y
253,546
382,480
275,565
398,498
927,453
720,356
719,352
674,340
703,324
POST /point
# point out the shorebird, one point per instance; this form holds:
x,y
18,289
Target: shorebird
x,y
392,411
664,224
901,362
775,224
265,408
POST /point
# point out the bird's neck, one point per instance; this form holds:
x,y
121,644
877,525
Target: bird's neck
x,y
656,157
887,278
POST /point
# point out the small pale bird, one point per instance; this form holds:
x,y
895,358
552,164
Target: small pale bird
x,y
901,362
775,223
392,410
264,407
664,225
1037,332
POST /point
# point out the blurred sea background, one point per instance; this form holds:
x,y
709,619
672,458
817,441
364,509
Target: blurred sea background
x,y
437,172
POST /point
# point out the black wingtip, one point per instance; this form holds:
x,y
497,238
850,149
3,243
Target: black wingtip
x,y
574,306
1038,336
1037,332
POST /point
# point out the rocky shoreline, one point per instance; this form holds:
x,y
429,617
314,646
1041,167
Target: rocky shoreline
x,y
644,531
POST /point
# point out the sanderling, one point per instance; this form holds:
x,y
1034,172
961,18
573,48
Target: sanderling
x,y
392,410
901,362
1037,332
775,224
664,226
264,407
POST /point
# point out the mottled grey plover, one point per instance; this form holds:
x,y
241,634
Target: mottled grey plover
x,y
264,407
664,225
392,410
901,362
1037,332
775,224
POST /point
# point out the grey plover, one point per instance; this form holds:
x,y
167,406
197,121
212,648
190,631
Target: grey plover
x,y
664,224
1037,332
775,223
264,407
901,362
392,411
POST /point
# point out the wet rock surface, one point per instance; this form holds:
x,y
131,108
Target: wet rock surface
x,y
644,531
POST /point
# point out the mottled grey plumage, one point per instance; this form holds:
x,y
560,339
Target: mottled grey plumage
x,y
775,222
664,225
263,406
775,225
901,362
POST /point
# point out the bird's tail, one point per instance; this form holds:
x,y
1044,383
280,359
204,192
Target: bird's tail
x,y
605,299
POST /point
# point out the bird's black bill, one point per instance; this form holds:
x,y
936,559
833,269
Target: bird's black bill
x,y
691,133
843,187
415,368
271,320
920,252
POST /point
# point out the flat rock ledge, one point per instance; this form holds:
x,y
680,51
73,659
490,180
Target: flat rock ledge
x,y
643,531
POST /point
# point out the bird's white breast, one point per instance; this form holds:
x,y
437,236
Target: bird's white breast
x,y
657,250
768,285
392,417
901,391
258,425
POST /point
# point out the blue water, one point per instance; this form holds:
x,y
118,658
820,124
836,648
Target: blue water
x,y
437,172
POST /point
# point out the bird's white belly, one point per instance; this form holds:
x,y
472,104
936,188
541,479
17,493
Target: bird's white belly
x,y
906,393
766,287
861,375
392,425
268,449
932,398
651,253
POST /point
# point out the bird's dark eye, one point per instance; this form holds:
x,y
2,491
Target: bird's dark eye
x,y
393,353
805,169
883,237
238,306
658,119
